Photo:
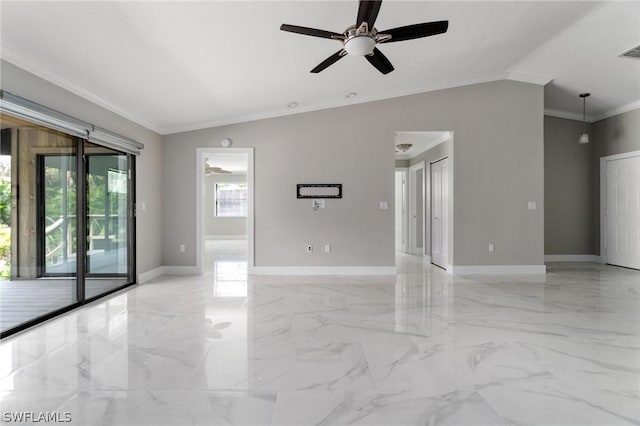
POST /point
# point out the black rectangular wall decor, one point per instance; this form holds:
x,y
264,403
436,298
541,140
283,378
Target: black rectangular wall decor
x,y
319,190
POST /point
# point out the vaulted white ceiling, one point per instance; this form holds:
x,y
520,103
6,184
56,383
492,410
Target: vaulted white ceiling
x,y
175,66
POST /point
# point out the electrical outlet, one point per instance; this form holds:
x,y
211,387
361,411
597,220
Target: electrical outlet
x,y
327,248
309,249
182,248
492,248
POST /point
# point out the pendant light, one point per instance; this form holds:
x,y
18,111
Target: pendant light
x,y
584,136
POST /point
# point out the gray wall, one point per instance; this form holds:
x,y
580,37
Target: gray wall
x,y
149,164
568,183
614,135
402,163
498,155
436,153
572,178
235,226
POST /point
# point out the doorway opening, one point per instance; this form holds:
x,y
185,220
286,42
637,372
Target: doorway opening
x,y
424,196
225,223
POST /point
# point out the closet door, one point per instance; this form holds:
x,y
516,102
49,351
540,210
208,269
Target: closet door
x,y
440,213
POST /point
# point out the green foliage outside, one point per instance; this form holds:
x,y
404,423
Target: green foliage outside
x,y
5,220
56,180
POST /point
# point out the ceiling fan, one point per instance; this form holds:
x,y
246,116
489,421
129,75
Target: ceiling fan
x,y
209,170
361,39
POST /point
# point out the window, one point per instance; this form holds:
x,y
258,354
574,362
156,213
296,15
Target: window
x,y
231,200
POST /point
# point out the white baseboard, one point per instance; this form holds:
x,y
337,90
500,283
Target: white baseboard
x,y
149,275
499,269
323,270
181,270
571,258
225,237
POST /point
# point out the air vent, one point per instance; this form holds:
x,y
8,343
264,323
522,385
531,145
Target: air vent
x,y
632,53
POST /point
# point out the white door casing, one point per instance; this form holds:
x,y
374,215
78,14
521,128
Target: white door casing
x,y
620,210
440,212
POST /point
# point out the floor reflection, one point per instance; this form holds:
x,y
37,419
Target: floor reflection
x,y
229,279
333,350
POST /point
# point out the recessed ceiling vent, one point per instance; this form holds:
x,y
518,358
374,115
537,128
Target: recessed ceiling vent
x,y
632,53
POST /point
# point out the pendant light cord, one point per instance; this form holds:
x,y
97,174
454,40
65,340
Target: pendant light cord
x,y
584,114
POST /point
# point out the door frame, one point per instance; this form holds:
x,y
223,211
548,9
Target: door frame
x,y
200,195
603,198
412,204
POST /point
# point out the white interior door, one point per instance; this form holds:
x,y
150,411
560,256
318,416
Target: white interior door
x,y
399,210
440,212
416,208
622,212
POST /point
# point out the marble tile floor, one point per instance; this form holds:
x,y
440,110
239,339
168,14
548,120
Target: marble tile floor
x,y
423,348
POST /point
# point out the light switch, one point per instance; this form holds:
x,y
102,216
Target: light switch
x,y
532,205
143,205
384,205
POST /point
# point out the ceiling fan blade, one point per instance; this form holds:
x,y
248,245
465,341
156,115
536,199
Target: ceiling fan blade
x,y
310,31
329,61
368,12
378,60
410,32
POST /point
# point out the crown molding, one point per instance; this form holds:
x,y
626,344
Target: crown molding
x,y
567,115
342,103
590,118
31,66
521,77
13,57
619,110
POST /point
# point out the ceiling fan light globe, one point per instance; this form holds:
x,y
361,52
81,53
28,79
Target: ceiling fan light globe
x,y
360,45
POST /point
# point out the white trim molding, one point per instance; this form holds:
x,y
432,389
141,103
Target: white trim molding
x,y
151,274
592,118
34,67
572,258
323,270
499,269
620,110
567,115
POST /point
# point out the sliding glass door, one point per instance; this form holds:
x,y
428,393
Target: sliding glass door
x,y
108,220
39,243
57,215
66,222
